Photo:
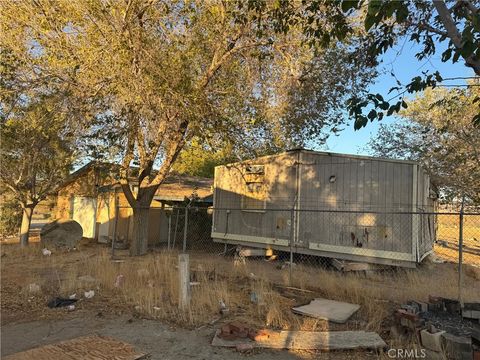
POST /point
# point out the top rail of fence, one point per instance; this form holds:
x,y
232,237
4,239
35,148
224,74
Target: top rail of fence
x,y
364,211
344,211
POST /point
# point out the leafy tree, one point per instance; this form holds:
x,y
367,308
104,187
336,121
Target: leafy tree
x,y
37,136
198,159
438,133
155,74
426,23
36,156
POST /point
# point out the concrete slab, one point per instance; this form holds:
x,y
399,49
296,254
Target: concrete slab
x,y
331,310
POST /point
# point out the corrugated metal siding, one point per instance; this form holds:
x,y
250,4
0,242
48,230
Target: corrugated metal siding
x,y
361,184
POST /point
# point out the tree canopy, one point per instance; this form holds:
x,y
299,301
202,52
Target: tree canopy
x,y
38,141
455,24
151,75
436,131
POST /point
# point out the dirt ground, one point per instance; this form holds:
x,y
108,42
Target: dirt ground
x,y
27,322
159,340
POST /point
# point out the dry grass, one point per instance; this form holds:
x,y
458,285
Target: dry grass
x,y
448,236
150,288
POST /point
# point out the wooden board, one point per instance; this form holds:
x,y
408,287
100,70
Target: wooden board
x,y
309,340
83,348
255,252
331,310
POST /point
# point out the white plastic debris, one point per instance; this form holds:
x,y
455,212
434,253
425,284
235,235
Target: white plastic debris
x,y
89,294
223,308
46,252
71,307
33,288
73,296
156,308
119,281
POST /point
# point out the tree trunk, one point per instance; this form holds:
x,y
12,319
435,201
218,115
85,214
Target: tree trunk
x,y
453,33
139,243
25,227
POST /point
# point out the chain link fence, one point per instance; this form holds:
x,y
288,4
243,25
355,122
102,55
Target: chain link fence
x,y
305,240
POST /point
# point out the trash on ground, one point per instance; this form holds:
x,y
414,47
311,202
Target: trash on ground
x,y
303,340
33,288
89,294
73,296
46,252
331,310
60,302
120,279
71,307
223,308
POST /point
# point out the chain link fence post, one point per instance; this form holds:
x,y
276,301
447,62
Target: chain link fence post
x,y
292,236
115,223
185,229
460,253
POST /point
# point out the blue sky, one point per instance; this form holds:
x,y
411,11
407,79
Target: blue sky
x,y
405,65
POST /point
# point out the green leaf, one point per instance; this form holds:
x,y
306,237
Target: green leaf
x,y
349,4
402,12
391,110
384,105
404,104
369,22
467,49
456,56
372,114
446,55
360,121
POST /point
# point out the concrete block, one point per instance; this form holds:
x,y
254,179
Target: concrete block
x,y
432,341
422,306
472,306
471,314
457,347
452,306
435,306
476,334
410,308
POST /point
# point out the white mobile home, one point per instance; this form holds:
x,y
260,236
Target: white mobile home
x,y
349,207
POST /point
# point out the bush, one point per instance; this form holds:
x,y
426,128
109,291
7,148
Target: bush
x,y
10,218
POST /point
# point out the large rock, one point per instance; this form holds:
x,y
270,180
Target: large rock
x,y
61,233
